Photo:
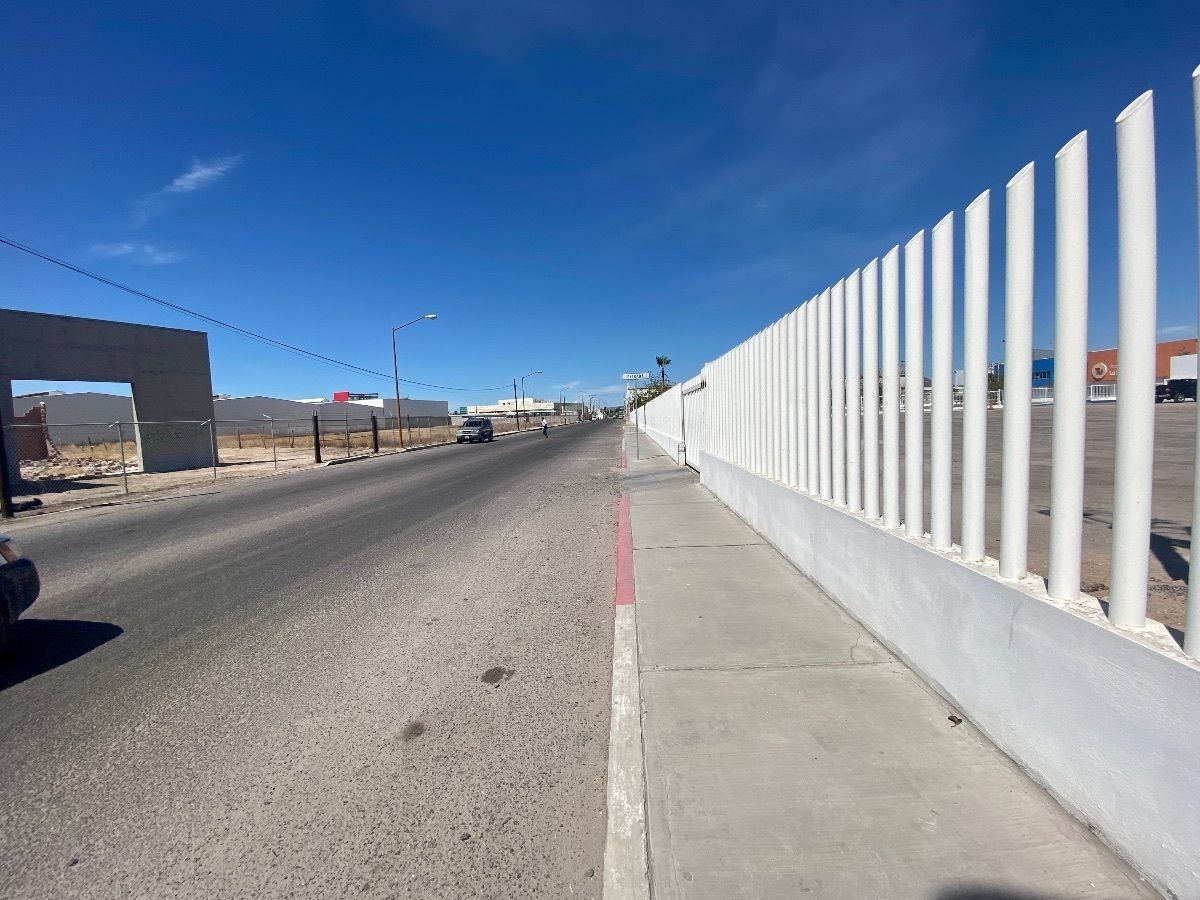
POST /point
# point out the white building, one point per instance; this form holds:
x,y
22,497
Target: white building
x,y
508,408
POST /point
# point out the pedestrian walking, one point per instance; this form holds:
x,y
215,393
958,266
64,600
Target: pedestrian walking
x,y
545,427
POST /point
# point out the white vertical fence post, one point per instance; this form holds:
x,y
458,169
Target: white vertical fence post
x,y
764,398
824,396
756,401
737,405
790,420
715,410
747,391
853,392
724,408
801,365
1070,365
975,374
814,399
941,434
743,405
914,385
770,393
735,401
1018,374
837,388
891,388
870,387
751,412
1191,635
779,413
766,390
1137,299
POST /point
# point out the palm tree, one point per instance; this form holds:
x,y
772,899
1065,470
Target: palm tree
x,y
662,362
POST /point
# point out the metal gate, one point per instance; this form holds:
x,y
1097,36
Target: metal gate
x,y
693,421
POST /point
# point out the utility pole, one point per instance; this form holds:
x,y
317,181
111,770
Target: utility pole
x,y
516,409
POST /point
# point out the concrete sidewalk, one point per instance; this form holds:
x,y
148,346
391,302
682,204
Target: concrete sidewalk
x,y
788,753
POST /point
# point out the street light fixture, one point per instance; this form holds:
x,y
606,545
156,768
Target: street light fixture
x,y
396,372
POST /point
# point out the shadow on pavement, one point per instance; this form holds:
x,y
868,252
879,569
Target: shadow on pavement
x,y
36,646
988,892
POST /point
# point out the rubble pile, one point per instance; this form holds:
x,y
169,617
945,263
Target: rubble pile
x,y
60,467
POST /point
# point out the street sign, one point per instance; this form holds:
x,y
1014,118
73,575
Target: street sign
x,y
636,376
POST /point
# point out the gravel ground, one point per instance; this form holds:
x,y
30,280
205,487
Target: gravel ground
x,y
386,679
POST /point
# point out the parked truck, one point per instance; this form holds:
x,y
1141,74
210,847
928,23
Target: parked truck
x,y
1182,383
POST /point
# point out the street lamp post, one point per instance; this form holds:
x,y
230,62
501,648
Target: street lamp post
x,y
396,372
522,406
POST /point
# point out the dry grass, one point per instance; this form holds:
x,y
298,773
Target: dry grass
x,y
292,439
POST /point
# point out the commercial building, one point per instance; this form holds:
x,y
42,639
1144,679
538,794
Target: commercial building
x,y
1102,364
507,408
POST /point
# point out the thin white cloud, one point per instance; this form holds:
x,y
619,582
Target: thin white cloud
x,y
138,254
202,174
1177,331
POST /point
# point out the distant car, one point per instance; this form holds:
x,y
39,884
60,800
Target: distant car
x,y
473,430
19,586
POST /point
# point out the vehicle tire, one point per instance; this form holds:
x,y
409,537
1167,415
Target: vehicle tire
x,y
1178,397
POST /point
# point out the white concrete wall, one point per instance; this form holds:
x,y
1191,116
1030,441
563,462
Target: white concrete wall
x,y
662,419
1107,720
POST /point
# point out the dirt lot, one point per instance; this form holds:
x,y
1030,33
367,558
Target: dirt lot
x,y
1171,508
88,475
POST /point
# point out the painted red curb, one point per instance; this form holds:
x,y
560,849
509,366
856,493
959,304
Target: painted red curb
x,y
625,594
622,464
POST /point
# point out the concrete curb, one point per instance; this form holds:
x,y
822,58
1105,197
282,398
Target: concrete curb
x,y
626,875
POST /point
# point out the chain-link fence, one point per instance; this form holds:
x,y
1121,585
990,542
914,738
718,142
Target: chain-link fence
x,y
52,465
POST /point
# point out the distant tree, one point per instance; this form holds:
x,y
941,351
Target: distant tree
x,y
662,362
643,395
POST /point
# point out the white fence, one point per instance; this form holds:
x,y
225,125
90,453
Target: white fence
x,y
787,405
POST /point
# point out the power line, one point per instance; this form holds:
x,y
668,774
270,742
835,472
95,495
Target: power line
x,y
227,325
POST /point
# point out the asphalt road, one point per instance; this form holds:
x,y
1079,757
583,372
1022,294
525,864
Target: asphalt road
x,y
389,678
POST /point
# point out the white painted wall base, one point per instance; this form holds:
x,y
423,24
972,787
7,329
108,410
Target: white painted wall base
x,y
671,445
1107,720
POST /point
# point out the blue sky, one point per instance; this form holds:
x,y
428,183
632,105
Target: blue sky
x,y
572,186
